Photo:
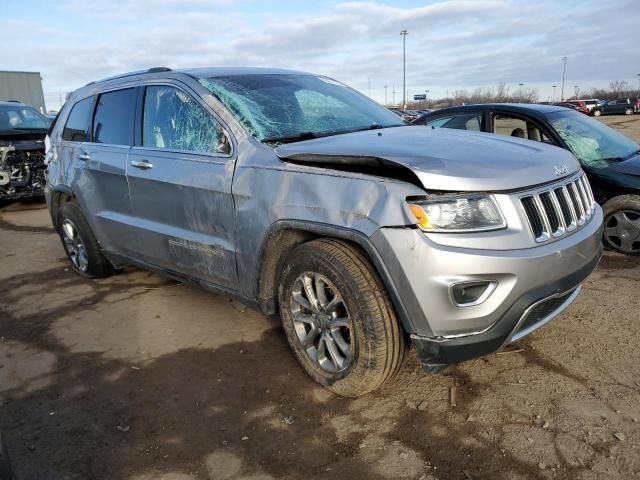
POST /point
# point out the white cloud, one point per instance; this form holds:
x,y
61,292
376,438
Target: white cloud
x,y
451,44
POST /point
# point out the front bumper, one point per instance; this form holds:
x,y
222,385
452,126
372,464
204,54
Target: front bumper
x,y
533,286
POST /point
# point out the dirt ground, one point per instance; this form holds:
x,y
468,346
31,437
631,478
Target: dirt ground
x,y
138,377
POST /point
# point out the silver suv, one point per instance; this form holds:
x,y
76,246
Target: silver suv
x,y
295,193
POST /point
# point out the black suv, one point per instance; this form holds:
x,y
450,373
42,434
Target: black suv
x,y
22,133
612,107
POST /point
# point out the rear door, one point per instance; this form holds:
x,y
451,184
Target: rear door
x,y
102,163
180,174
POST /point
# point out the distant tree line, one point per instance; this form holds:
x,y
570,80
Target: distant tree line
x,y
503,93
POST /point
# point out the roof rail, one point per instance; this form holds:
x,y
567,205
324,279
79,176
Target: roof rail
x,y
131,74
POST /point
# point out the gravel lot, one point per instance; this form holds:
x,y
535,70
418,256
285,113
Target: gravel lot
x,y
138,377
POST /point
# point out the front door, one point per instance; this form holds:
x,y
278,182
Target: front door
x,y
180,175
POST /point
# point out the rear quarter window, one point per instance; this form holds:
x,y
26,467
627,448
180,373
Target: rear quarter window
x,y
77,126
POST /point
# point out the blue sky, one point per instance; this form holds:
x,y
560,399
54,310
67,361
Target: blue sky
x,y
451,45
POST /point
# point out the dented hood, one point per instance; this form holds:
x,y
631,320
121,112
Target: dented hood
x,y
442,159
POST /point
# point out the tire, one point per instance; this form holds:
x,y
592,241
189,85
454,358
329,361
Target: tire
x,y
622,224
80,244
628,111
597,113
364,320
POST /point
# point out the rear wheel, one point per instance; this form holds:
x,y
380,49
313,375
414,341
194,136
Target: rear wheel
x,y
80,244
596,112
338,318
622,224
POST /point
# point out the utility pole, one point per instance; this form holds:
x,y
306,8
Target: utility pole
x,y
564,69
576,90
553,99
393,94
427,97
403,34
385,95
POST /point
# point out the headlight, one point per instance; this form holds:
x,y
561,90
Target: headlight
x,y
457,214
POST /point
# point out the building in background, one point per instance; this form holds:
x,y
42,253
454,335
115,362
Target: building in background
x,y
25,87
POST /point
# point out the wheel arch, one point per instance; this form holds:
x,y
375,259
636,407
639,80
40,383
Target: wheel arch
x,y
284,235
60,194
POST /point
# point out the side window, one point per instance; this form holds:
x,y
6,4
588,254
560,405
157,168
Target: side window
x,y
175,121
438,122
465,121
114,118
77,126
516,127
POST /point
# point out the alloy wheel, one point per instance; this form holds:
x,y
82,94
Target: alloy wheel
x,y
74,246
622,231
322,322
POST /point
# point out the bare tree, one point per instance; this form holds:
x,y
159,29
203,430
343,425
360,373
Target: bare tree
x,y
618,87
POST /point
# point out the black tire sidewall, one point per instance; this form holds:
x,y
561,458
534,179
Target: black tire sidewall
x,y
614,205
309,260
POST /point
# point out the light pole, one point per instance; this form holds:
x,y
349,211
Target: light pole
x,y
403,34
553,99
427,97
576,89
564,69
393,94
385,95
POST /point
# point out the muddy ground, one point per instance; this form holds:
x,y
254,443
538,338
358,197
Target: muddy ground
x,y
138,377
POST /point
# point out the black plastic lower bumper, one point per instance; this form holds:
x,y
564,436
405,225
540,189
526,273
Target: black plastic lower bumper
x,y
436,353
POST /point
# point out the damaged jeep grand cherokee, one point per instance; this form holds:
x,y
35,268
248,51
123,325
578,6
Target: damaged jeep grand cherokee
x,y
298,195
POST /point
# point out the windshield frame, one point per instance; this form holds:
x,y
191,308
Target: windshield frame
x,y
620,147
251,104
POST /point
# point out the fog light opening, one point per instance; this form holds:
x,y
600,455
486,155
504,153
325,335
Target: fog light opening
x,y
469,294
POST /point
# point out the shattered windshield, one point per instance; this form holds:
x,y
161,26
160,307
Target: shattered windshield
x,y
592,142
19,117
284,107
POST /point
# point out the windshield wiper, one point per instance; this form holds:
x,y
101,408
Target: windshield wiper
x,y
633,154
293,138
311,135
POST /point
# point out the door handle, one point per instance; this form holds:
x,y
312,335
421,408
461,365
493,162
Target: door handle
x,y
143,164
84,156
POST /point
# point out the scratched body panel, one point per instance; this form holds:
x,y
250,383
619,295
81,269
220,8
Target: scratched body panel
x,y
267,190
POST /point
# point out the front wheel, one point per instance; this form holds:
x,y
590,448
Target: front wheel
x,y
622,224
597,113
628,111
338,318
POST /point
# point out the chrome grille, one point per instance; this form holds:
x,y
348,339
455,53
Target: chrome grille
x,y
559,209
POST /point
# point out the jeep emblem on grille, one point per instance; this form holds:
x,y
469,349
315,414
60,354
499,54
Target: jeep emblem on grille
x,y
561,170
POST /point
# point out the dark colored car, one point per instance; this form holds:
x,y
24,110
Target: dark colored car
x,y
613,107
566,105
611,160
581,106
22,167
